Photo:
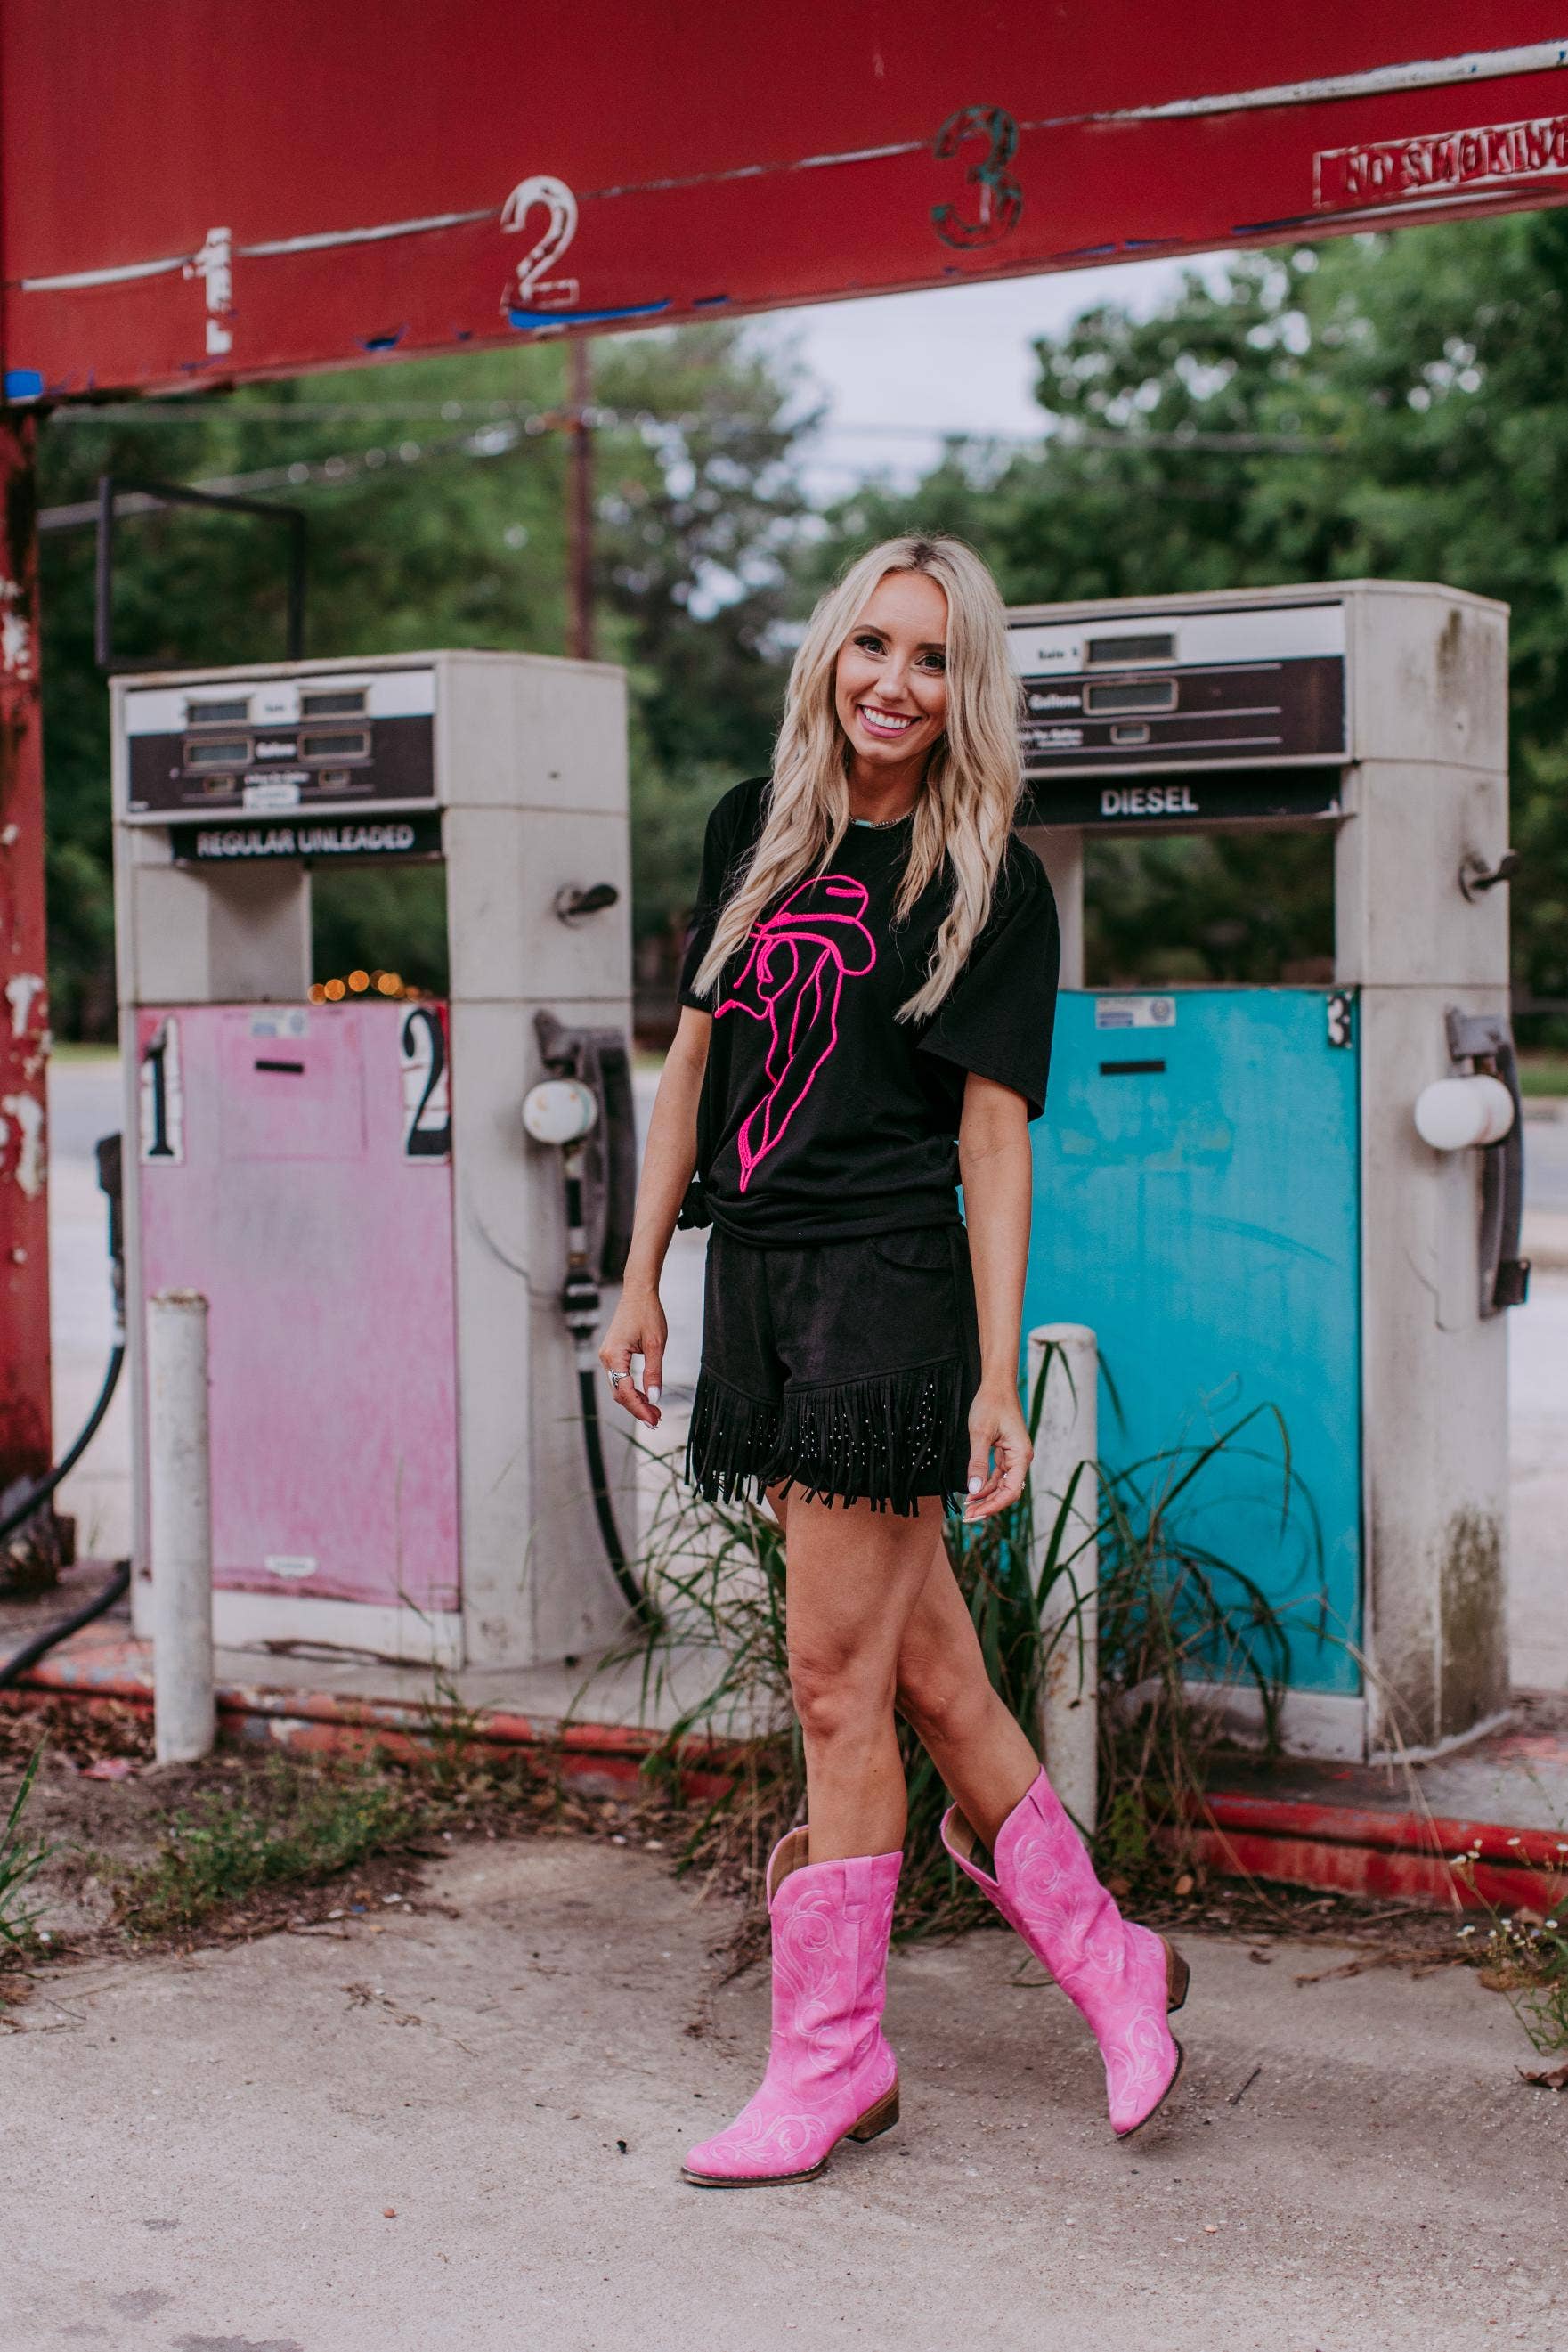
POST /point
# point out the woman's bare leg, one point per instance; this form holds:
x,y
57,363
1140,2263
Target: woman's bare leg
x,y
941,1685
851,1576
945,1696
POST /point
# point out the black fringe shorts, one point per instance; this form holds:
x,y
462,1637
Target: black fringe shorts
x,y
844,1367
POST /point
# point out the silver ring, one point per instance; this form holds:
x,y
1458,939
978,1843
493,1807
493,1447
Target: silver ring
x,y
616,1378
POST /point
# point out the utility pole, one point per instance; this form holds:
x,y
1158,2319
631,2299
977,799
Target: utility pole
x,y
24,1432
580,501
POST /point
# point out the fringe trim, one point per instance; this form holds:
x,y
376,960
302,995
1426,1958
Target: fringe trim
x,y
886,1441
729,1441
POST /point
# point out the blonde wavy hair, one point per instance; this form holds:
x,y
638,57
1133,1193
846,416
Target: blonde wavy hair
x,y
973,778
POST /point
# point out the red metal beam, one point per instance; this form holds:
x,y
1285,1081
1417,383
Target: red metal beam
x,y
24,996
272,185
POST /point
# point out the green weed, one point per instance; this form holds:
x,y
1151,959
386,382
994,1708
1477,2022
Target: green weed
x,y
1525,1957
1529,1956
20,1862
451,1737
717,1662
290,1826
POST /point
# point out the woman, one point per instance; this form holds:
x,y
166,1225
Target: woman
x,y
867,1002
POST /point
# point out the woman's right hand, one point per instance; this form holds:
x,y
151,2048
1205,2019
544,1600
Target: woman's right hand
x,y
637,1328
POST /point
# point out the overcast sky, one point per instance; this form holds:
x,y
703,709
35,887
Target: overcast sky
x,y
900,370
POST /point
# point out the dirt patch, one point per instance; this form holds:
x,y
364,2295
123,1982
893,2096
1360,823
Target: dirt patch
x,y
131,1839
146,1858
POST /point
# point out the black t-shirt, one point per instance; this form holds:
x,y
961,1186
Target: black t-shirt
x,y
821,1115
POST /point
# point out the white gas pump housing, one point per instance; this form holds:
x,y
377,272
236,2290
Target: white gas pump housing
x,y
398,1458
1377,709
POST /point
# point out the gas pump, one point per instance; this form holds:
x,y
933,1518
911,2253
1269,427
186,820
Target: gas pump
x,y
398,1461
1303,1197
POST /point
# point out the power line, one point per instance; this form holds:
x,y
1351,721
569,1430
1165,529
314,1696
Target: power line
x,y
602,419
331,473
508,424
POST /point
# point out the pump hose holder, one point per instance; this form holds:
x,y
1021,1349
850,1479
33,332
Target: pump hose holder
x,y
599,1171
1484,1040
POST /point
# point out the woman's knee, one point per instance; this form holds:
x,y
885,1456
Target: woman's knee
x,y
941,1700
838,1694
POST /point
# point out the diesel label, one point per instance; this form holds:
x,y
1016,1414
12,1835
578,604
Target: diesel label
x,y
1147,800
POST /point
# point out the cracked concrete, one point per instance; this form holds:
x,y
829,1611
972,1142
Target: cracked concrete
x,y
465,2131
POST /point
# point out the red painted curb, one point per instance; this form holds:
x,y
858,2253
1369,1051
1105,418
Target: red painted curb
x,y
1361,1850
1294,1840
319,1723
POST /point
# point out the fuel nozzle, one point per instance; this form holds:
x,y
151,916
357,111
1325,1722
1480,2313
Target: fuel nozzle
x,y
563,1111
108,1154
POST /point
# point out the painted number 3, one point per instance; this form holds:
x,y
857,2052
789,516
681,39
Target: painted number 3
x,y
1000,199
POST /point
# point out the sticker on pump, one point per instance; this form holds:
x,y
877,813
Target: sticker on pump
x,y
272,794
289,1563
1136,1013
426,1089
281,1020
162,1095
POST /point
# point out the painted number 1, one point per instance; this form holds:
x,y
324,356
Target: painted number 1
x,y
162,1095
1000,199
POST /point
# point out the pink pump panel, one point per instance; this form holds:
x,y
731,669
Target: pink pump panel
x,y
289,1173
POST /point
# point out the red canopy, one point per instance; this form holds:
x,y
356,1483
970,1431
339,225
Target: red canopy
x,y
208,189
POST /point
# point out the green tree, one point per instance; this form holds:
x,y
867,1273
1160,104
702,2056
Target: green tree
x,y
441,521
1387,407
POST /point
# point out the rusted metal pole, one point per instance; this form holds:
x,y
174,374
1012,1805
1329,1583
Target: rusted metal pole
x,y
25,1420
580,500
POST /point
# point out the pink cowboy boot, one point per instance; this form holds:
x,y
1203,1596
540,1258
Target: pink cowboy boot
x,y
1124,1978
830,2072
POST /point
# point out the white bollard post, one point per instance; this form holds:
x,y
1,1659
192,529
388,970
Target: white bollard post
x,y
179,1496
1068,1437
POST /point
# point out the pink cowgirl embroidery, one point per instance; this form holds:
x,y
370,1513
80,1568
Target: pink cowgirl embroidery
x,y
800,956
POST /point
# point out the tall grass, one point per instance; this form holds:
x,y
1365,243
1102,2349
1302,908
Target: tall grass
x,y
1168,1607
20,1862
1525,1957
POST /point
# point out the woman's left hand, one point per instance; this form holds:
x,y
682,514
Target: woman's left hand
x,y
999,1452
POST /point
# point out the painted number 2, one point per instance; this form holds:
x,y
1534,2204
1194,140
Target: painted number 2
x,y
530,289
426,1093
1000,199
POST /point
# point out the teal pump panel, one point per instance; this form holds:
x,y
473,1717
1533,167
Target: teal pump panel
x,y
1288,1215
1195,1204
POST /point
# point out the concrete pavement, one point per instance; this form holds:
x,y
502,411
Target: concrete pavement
x,y
199,2155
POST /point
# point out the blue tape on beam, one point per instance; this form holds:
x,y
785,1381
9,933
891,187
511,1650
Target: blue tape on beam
x,y
525,321
24,383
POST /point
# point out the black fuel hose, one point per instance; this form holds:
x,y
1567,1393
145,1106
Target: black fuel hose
x,y
23,1511
107,1155
632,1591
27,1656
